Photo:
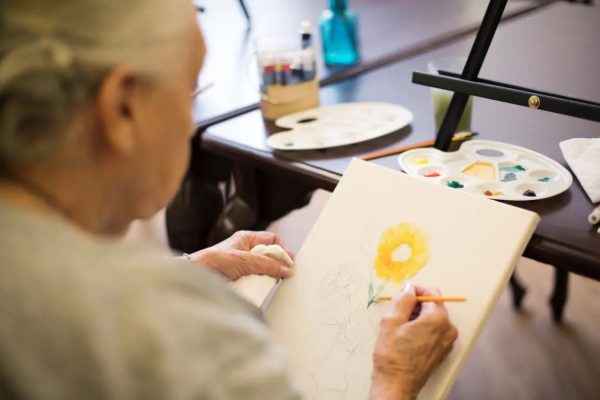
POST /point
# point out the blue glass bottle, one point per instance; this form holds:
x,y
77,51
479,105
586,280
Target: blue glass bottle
x,y
339,33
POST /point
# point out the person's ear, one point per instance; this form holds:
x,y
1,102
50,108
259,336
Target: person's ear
x,y
114,109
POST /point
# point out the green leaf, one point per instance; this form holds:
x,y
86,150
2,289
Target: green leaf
x,y
373,294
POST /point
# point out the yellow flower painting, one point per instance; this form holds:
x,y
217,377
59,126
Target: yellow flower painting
x,y
402,251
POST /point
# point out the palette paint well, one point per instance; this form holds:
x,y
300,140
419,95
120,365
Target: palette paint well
x,y
492,169
480,169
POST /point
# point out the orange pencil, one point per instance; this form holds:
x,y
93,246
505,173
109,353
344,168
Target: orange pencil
x,y
421,299
427,143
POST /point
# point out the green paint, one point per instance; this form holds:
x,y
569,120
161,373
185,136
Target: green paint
x,y
513,168
545,179
374,294
455,184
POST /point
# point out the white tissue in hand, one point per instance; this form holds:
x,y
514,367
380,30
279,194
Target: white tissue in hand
x,y
255,288
274,251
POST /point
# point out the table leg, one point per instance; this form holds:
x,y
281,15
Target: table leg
x,y
192,213
518,291
559,295
556,256
194,210
260,198
241,210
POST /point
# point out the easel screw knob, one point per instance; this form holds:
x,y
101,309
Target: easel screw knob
x,y
534,102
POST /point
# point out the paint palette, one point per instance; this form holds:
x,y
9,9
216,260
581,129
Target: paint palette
x,y
338,125
496,170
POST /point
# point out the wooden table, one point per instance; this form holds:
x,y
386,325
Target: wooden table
x,y
553,49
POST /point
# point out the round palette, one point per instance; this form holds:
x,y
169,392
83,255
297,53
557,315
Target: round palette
x,y
338,125
492,169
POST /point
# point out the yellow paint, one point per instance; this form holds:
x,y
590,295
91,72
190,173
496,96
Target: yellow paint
x,y
419,160
403,250
481,170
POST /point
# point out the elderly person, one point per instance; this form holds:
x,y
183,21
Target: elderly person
x,y
94,132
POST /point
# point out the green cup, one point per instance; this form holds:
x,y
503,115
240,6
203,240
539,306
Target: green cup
x,y
441,98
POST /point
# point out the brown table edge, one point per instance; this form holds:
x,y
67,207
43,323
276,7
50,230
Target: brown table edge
x,y
307,174
540,248
571,259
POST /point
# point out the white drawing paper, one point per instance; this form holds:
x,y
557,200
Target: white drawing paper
x,y
468,247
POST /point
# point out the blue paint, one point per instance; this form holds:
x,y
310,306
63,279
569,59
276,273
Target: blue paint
x,y
509,177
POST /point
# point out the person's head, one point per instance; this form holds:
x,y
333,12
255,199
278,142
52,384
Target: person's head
x,y
96,94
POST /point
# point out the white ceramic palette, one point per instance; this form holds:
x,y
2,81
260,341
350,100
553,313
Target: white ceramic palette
x,y
338,125
493,169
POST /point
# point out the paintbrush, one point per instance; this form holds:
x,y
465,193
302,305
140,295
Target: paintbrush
x,y
421,299
428,143
202,88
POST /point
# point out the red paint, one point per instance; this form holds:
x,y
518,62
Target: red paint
x,y
431,175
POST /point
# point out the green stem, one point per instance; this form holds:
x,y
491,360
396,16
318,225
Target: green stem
x,y
373,298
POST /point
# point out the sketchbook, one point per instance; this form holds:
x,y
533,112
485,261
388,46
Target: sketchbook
x,y
379,230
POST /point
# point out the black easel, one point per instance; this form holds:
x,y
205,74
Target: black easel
x,y
245,10
468,83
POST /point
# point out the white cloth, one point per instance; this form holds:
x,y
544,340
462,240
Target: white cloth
x,y
274,251
256,288
583,156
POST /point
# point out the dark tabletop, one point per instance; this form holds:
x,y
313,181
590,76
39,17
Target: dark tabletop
x,y
386,27
553,49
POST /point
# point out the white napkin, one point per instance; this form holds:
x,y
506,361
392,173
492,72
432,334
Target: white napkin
x,y
583,156
256,288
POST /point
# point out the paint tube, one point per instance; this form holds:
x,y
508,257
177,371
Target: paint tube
x,y
305,35
286,74
267,72
309,67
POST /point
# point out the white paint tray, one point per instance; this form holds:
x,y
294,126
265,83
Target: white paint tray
x,y
493,169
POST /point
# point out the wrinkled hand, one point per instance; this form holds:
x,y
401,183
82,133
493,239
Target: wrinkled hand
x,y
411,344
233,259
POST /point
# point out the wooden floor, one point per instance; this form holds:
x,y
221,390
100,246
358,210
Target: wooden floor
x,y
520,355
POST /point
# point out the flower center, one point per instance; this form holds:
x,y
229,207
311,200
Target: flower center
x,y
401,253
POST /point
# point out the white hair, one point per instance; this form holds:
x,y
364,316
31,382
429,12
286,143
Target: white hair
x,y
54,55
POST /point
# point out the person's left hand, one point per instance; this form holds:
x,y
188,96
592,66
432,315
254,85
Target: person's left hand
x,y
232,257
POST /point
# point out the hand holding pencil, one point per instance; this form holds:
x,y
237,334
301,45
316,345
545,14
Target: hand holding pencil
x,y
422,299
414,339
